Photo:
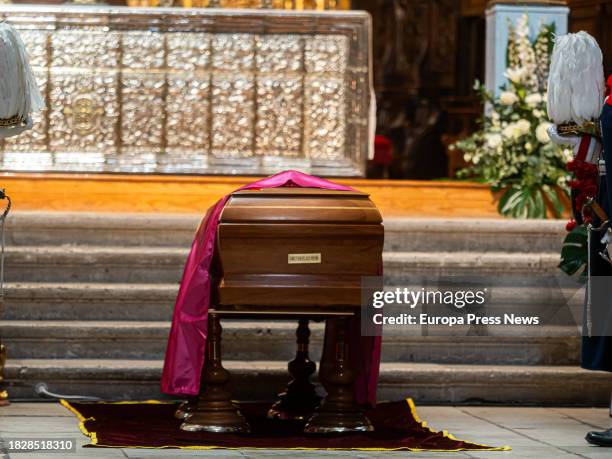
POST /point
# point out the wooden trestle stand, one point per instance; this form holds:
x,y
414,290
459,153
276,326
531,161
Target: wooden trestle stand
x,y
214,410
291,253
300,399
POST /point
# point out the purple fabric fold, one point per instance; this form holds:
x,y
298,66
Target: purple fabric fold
x,y
185,352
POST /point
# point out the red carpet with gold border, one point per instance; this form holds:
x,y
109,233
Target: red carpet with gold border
x,y
151,424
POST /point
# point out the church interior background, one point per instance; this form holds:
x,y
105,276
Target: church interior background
x,y
110,185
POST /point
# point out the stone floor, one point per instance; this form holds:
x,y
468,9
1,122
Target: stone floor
x,y
556,433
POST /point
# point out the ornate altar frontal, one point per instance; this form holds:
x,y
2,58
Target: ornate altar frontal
x,y
204,91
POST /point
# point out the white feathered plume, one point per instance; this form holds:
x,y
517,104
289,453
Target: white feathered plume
x,y
19,93
576,85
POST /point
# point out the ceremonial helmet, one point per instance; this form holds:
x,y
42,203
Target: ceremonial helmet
x,y
576,87
19,93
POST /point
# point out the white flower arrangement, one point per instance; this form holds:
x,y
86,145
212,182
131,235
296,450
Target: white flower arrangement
x,y
508,98
512,150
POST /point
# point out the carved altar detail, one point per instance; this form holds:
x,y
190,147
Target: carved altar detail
x,y
279,112
142,115
187,114
232,107
67,121
325,62
195,92
142,50
277,4
97,49
326,54
280,103
85,113
324,117
189,52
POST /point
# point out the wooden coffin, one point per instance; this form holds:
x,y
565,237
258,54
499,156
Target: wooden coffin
x,y
297,247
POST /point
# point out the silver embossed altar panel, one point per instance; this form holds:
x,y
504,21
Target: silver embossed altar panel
x,y
280,102
195,91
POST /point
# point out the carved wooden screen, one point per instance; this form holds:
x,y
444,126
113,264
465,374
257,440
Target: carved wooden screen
x,y
195,91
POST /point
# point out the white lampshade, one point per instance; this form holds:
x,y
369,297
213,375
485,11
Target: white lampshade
x,y
19,93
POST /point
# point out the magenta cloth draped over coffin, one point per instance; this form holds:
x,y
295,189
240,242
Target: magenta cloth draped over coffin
x,y
187,341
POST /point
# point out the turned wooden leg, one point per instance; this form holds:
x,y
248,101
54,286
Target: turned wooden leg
x,y
214,411
299,399
339,412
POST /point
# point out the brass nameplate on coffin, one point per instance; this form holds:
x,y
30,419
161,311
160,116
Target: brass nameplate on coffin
x,y
304,258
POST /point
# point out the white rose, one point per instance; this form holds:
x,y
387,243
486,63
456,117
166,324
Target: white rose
x,y
523,126
533,99
517,129
568,154
508,98
542,132
511,131
516,75
494,140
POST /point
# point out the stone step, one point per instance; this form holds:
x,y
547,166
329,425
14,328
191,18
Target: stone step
x,y
94,264
275,340
133,302
473,235
406,266
402,234
165,264
89,301
261,380
101,229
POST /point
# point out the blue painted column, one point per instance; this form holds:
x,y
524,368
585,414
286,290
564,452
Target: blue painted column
x,y
500,16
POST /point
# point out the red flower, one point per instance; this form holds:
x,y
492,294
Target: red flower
x,y
383,150
571,225
590,190
585,170
585,183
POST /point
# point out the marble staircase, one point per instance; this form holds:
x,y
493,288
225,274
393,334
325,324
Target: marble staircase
x,y
89,299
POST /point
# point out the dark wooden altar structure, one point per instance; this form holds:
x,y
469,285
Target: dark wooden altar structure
x,y
595,17
427,54
292,253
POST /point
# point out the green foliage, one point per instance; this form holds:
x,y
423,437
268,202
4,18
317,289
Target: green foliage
x,y
574,253
512,151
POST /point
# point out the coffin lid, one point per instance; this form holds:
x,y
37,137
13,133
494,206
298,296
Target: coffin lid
x,y
300,205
